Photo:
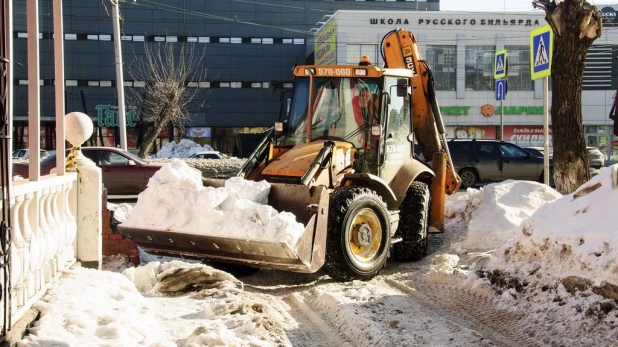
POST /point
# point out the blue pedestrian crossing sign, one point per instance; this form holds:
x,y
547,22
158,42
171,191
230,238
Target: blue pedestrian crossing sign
x,y
500,64
541,47
500,90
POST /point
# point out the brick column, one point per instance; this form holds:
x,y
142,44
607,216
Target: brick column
x,y
113,243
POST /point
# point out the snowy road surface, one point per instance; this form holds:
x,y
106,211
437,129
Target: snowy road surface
x,y
518,264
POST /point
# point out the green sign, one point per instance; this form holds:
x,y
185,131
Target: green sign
x,y
520,110
107,116
488,110
454,110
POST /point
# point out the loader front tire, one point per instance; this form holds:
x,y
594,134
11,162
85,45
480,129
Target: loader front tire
x,y
358,236
413,224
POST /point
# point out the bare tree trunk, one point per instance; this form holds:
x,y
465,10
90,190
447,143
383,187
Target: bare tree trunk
x,y
575,25
570,160
152,133
149,139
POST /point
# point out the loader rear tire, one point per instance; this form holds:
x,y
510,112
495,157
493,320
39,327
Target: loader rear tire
x,y
413,224
358,236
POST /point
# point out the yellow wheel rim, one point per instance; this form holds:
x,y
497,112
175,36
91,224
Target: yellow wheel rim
x,y
365,235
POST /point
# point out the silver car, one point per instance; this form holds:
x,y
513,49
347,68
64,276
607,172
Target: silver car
x,y
596,159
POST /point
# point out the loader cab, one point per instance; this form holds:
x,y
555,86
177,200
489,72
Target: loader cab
x,y
371,113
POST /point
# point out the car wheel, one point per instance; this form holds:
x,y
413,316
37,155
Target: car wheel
x,y
469,178
359,236
413,224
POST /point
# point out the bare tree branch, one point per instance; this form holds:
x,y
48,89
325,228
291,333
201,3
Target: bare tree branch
x,y
166,97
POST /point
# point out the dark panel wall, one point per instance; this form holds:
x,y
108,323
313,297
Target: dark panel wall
x,y
93,60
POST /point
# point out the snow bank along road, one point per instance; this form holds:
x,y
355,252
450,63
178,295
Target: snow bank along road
x,y
517,265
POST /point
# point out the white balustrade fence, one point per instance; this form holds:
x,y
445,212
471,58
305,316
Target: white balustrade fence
x,y
43,237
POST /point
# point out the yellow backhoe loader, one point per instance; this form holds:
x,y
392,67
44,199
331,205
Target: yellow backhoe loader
x,y
343,163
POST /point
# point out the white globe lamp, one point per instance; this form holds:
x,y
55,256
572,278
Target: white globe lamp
x,y
78,128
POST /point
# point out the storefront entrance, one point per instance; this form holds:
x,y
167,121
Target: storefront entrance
x,y
599,136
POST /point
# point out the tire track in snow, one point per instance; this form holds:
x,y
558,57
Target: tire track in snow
x,y
474,308
374,314
310,329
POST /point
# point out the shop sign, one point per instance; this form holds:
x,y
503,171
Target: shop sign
x,y
528,134
490,110
107,115
326,45
198,132
609,16
470,132
487,21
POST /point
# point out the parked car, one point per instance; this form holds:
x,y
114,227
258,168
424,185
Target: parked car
x,y
25,154
493,161
122,172
208,155
596,159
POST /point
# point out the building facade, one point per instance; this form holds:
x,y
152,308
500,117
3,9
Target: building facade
x,y
247,45
460,48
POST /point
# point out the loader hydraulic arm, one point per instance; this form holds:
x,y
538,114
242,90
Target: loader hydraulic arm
x,y
400,50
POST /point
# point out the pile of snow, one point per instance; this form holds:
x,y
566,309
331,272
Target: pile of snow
x,y
121,211
176,201
575,236
88,307
183,149
495,212
160,278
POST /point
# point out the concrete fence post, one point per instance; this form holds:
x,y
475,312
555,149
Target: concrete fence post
x,y
79,128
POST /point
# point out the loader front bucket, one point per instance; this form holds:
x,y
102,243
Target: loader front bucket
x,y
309,205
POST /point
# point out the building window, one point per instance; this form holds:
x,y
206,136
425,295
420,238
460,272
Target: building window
x,y
355,52
267,41
480,67
442,60
519,68
236,40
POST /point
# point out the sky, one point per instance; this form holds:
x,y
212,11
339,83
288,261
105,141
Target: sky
x,y
496,5
522,228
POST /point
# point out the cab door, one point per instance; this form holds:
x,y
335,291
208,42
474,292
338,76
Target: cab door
x,y
395,120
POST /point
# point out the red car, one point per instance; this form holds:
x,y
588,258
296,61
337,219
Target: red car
x,y
123,172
